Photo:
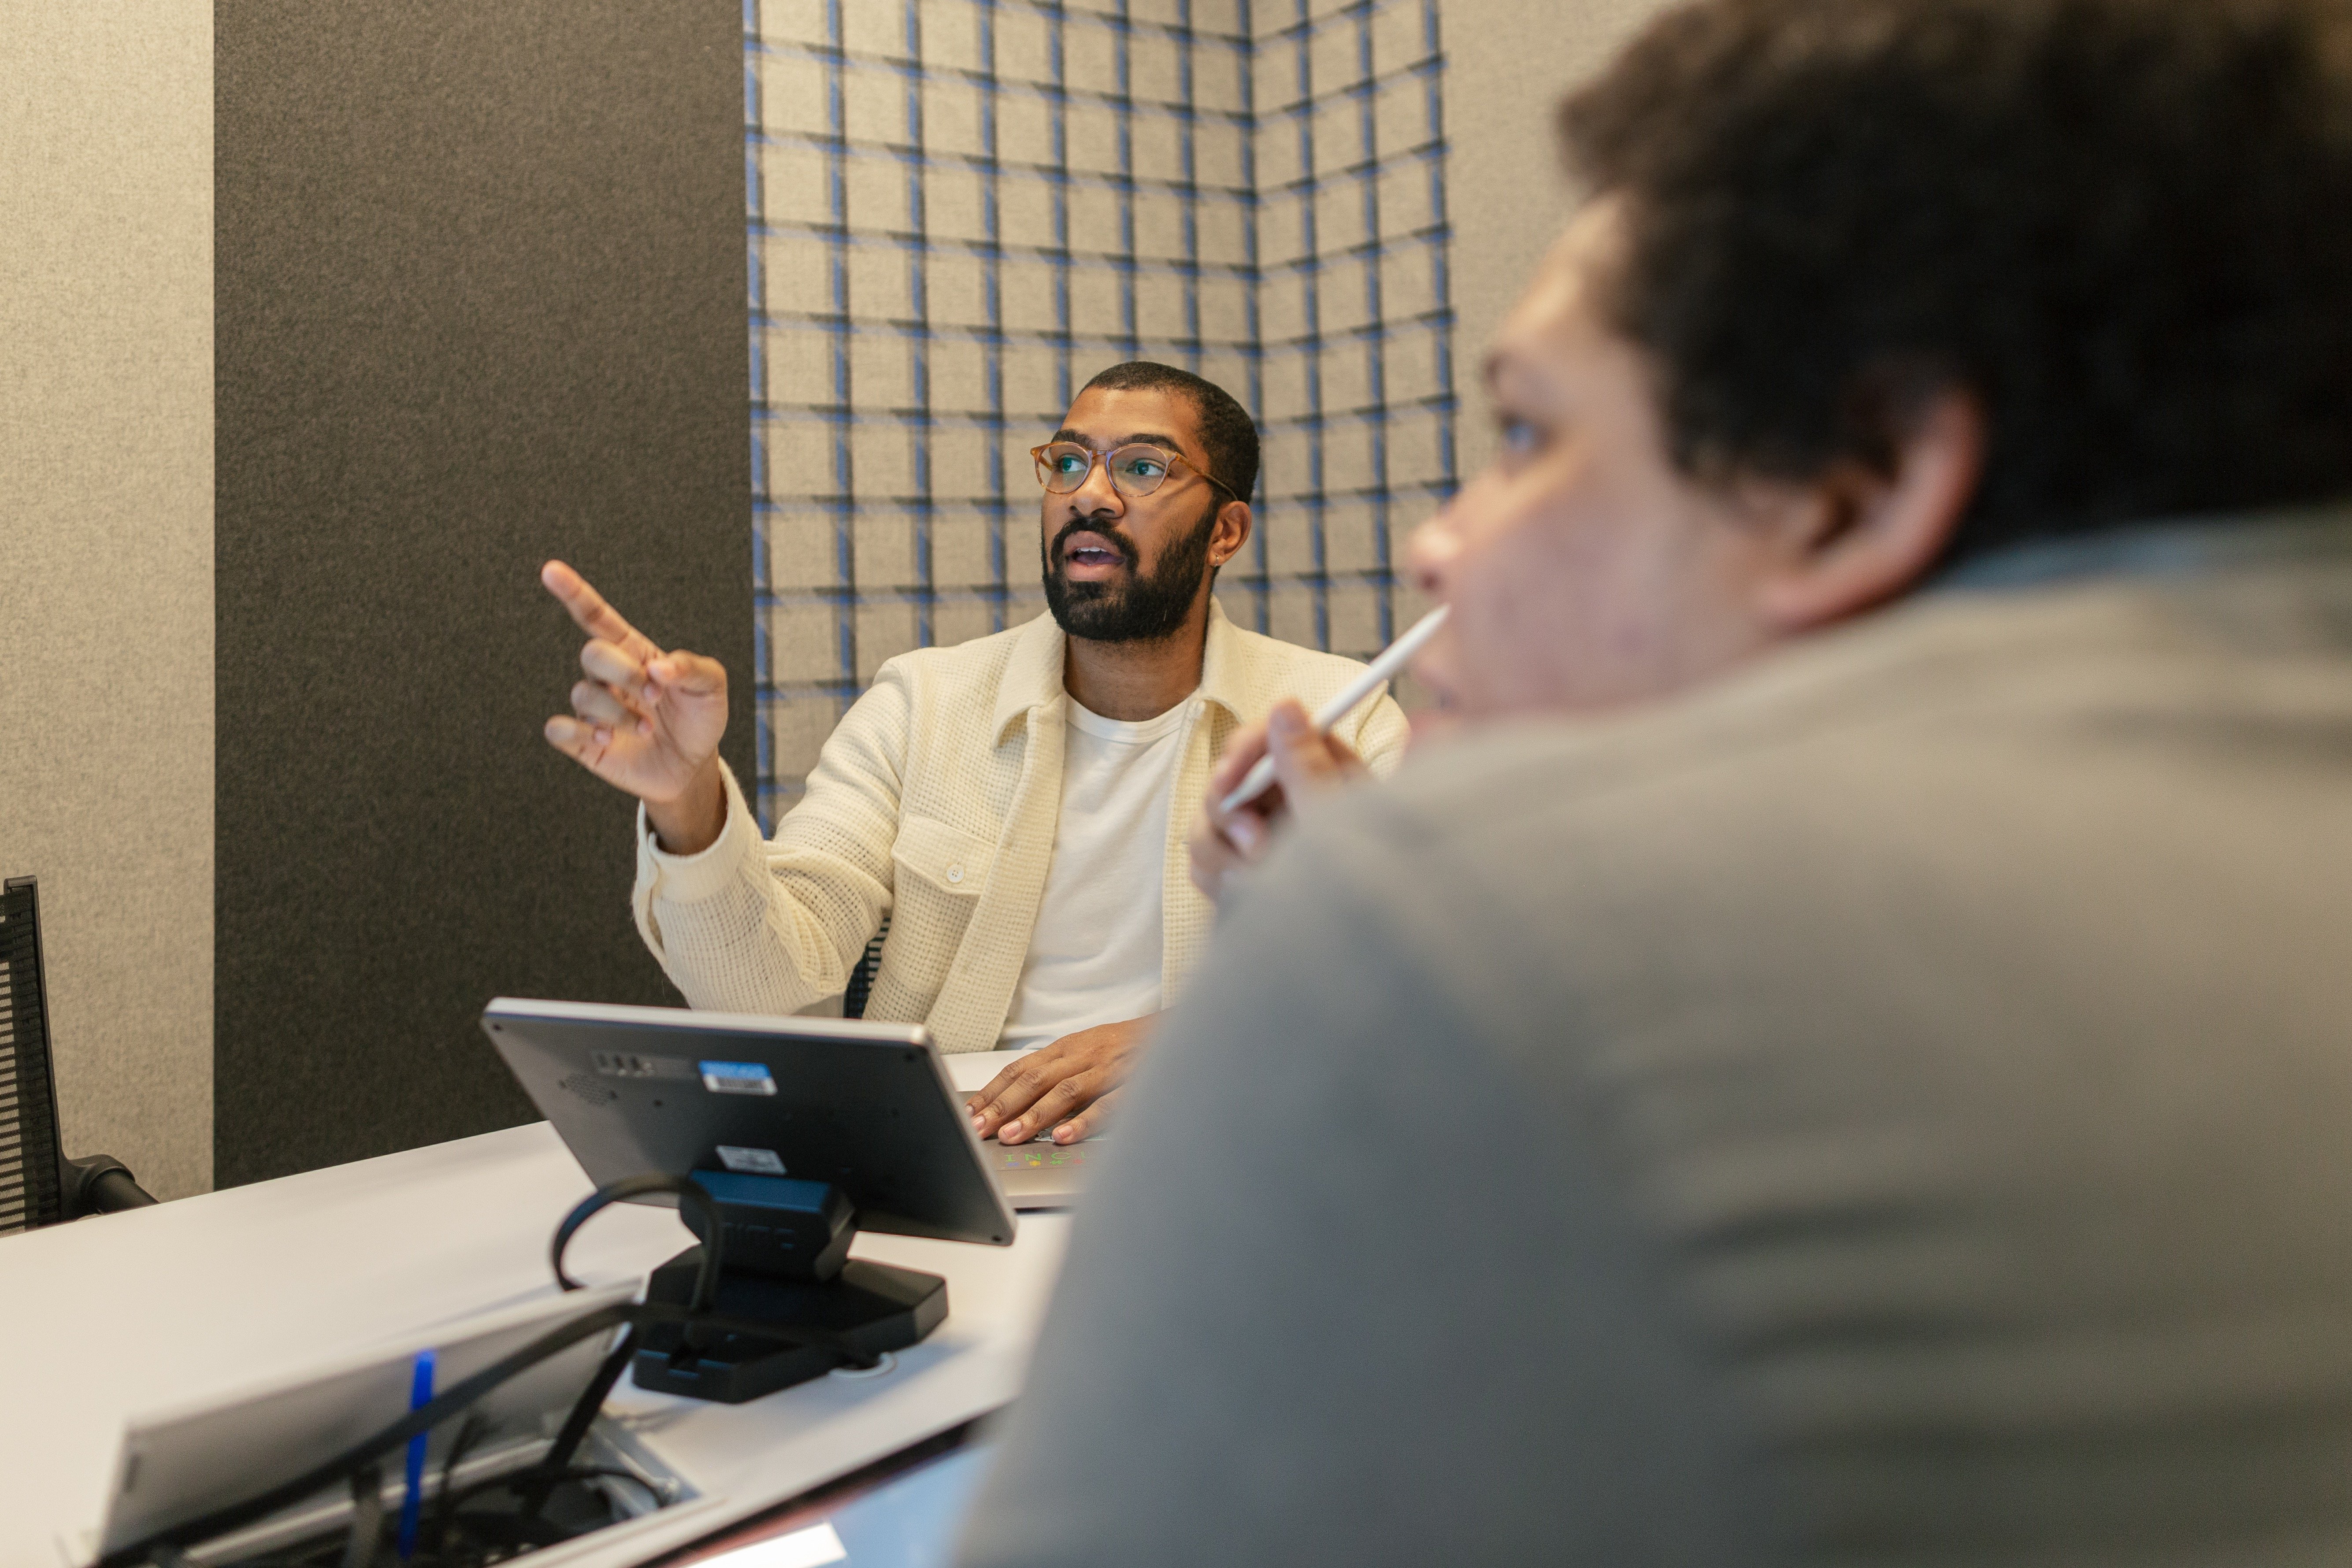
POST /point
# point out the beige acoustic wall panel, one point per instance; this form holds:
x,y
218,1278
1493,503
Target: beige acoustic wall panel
x,y
1508,62
106,557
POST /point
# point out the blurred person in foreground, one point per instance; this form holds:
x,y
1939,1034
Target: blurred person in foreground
x,y
1847,1057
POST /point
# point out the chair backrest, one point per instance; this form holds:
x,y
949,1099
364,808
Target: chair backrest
x,y
861,978
32,1162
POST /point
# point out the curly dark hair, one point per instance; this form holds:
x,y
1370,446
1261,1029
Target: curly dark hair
x,y
2125,225
1227,432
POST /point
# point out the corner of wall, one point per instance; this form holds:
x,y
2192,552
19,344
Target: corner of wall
x,y
105,562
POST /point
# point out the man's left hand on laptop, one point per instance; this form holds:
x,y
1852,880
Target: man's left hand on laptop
x,y
1062,1091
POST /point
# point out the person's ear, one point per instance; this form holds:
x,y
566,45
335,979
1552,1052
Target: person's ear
x,y
1860,536
1232,531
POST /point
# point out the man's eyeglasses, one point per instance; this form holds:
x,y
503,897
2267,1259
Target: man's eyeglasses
x,y
1135,470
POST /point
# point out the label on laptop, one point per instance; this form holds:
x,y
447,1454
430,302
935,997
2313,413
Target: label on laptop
x,y
750,1161
737,1077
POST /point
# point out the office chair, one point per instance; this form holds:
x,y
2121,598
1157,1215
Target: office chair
x,y
39,1186
861,978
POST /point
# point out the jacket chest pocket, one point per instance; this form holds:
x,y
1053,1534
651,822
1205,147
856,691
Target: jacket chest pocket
x,y
940,859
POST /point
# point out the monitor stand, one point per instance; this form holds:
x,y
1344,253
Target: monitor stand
x,y
785,1261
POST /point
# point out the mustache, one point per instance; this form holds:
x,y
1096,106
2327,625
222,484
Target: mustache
x,y
1119,541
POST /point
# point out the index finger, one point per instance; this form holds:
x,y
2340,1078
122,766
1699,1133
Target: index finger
x,y
591,613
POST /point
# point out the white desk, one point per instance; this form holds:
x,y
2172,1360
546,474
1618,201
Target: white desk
x,y
134,1311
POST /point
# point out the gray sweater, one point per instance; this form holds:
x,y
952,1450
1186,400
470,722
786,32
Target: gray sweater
x,y
1895,1107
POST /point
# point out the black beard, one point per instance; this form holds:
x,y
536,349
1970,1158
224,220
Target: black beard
x,y
1145,609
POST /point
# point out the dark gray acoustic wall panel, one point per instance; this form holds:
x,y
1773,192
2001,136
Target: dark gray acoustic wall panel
x,y
480,297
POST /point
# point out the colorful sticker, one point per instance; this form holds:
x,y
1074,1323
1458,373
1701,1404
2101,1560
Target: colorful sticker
x,y
737,1077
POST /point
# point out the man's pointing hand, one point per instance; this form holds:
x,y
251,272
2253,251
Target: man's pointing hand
x,y
644,721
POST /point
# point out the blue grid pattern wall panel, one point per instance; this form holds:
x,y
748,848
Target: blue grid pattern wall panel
x,y
1355,393
961,209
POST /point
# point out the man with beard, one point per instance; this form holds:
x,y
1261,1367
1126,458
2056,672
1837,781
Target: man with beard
x,y
1015,805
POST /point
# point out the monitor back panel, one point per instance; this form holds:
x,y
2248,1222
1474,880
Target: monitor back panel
x,y
867,1107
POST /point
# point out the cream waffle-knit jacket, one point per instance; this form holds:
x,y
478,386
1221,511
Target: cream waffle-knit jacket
x,y
935,802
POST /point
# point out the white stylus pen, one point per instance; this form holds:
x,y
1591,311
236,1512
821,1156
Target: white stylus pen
x,y
1392,659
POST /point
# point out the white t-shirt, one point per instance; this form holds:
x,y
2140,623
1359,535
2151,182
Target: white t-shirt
x,y
1093,957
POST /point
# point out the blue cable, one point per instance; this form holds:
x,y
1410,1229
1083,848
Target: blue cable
x,y
412,1502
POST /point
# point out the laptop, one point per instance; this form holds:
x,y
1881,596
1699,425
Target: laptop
x,y
1039,1174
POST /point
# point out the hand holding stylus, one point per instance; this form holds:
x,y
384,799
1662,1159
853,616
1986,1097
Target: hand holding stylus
x,y
1279,765
1389,662
1308,763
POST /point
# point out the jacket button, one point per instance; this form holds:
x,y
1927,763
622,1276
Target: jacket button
x,y
955,873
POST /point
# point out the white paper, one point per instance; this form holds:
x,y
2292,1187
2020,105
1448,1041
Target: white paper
x,y
810,1548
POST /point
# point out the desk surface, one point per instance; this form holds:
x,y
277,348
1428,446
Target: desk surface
x,y
139,1311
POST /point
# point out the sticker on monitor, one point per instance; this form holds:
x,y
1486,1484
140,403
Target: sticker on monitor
x,y
738,1078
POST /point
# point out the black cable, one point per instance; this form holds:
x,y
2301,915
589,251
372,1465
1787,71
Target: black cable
x,y
469,1432
574,1431
690,1195
360,1551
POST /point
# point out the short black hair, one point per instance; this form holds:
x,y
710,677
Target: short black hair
x,y
1227,432
2125,225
